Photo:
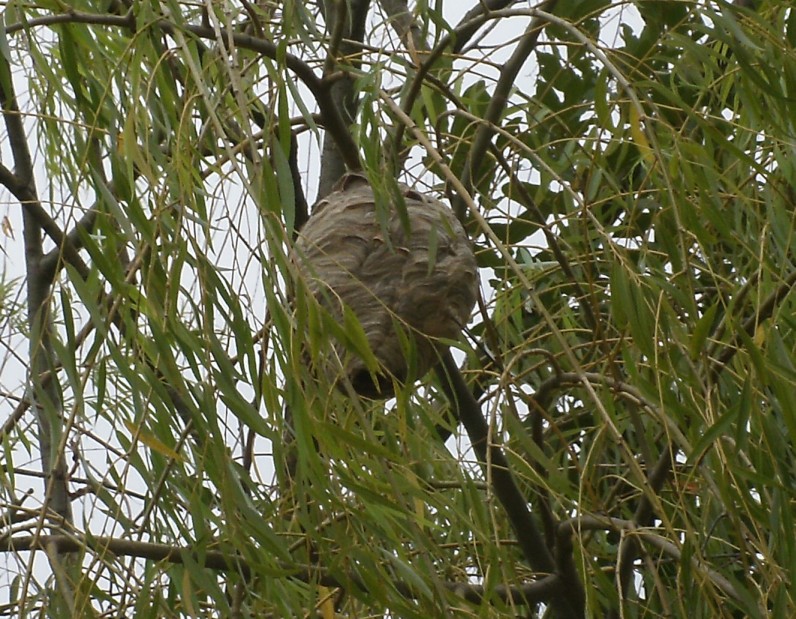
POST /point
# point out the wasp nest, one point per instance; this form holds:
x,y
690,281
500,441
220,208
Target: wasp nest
x,y
414,277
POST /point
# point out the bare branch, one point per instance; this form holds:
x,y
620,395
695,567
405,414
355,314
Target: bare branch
x,y
407,29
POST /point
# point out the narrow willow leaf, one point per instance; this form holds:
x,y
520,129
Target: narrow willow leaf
x,y
151,441
5,58
702,329
284,179
639,135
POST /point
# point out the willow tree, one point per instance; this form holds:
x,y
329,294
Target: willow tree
x,y
619,409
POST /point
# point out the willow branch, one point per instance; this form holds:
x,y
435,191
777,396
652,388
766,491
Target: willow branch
x,y
74,17
405,27
473,19
497,105
422,73
67,250
47,397
526,593
333,120
642,517
551,238
605,523
348,21
568,601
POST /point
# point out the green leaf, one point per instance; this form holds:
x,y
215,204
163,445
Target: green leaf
x,y
703,328
6,82
721,427
284,178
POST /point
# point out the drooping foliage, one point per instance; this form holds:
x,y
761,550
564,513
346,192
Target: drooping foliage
x,y
624,170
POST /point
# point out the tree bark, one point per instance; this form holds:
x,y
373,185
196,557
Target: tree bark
x,y
346,22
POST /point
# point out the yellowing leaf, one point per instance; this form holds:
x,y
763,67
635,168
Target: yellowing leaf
x,y
420,508
151,441
326,605
639,137
8,229
187,593
760,335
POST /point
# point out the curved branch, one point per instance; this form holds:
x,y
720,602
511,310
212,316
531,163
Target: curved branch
x,y
568,599
546,390
643,516
75,17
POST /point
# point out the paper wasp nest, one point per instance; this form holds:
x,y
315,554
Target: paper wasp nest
x,y
422,279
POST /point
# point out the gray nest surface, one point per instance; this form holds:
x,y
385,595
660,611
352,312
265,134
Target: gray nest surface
x,y
418,276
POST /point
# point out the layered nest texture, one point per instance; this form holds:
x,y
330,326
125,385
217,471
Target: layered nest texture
x,y
401,276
